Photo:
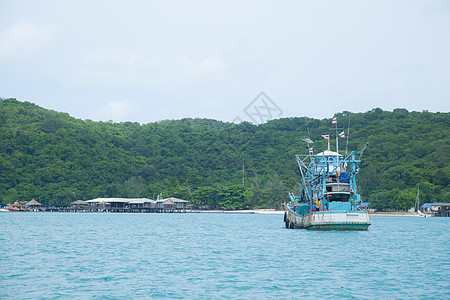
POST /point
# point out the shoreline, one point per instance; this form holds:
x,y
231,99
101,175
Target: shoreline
x,y
244,211
266,211
280,212
395,214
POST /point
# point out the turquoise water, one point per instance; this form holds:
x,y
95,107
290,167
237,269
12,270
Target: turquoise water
x,y
210,256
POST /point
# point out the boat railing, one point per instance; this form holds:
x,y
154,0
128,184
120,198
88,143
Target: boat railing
x,y
330,211
347,192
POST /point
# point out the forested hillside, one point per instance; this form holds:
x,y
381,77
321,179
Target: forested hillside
x,y
58,159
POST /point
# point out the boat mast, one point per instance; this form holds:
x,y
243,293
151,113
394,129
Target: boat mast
x,y
337,143
334,122
417,200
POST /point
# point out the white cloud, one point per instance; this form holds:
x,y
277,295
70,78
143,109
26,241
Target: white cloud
x,y
130,68
210,65
117,110
212,58
23,38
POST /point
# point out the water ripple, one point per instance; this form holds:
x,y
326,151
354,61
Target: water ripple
x,y
214,256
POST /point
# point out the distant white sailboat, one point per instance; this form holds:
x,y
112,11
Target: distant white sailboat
x,y
417,207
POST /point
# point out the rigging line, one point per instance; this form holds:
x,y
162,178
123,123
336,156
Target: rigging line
x,y
303,175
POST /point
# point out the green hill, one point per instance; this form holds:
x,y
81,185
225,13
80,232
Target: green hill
x,y
58,159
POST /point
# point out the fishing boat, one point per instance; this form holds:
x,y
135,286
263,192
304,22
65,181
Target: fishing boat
x,y
16,206
328,198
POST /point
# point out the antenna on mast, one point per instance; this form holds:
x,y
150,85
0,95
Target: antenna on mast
x,y
307,128
309,141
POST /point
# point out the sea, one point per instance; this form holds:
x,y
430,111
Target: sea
x,y
218,256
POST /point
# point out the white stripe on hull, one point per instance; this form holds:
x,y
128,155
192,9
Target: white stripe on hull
x,y
329,219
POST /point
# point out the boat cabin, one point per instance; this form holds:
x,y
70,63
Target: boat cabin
x,y
328,162
337,190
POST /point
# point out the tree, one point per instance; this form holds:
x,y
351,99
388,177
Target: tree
x,y
205,196
63,197
369,179
256,191
276,191
135,187
43,151
232,197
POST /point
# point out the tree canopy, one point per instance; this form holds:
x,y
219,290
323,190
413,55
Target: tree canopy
x,y
57,159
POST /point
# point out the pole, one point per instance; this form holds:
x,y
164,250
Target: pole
x,y
337,143
348,134
243,170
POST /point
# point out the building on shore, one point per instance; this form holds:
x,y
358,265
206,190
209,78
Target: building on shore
x,y
172,203
442,209
123,205
79,203
33,205
439,209
426,207
138,205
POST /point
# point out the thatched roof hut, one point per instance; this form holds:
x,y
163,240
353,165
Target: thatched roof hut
x,y
33,203
79,203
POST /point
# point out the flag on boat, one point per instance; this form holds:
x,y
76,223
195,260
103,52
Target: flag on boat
x,y
326,136
334,121
342,134
311,150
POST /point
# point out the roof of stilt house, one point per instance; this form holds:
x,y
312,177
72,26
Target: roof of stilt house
x,y
79,202
167,201
120,200
32,203
173,200
141,201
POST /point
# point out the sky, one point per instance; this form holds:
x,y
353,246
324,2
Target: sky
x,y
146,61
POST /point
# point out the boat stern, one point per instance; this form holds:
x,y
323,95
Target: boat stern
x,y
344,221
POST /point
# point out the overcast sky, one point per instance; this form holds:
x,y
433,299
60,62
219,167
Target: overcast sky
x,y
146,61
